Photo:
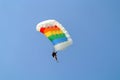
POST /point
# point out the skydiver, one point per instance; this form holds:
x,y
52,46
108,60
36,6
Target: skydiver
x,y
54,55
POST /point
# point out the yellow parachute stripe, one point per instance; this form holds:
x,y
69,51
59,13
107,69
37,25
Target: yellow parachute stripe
x,y
49,33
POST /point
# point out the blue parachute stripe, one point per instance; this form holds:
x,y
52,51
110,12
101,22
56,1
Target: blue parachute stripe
x,y
59,40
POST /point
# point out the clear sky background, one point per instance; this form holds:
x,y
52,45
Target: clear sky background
x,y
94,26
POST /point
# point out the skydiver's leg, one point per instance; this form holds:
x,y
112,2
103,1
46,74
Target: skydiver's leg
x,y
56,58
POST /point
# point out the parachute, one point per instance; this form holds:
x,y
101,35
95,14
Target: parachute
x,y
56,33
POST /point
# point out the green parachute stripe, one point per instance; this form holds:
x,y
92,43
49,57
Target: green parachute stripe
x,y
53,37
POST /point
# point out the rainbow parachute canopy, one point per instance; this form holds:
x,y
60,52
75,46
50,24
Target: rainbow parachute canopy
x,y
56,33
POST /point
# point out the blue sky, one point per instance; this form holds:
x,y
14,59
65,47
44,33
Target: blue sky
x,y
94,26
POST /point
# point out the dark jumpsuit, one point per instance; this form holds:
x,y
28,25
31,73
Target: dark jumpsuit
x,y
54,55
